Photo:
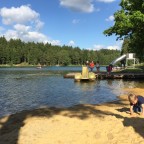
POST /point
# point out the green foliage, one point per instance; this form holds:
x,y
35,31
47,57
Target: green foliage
x,y
17,52
126,47
129,23
132,70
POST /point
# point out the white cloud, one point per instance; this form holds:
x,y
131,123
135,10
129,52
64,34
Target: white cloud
x,y
22,14
1,28
11,34
34,36
22,33
110,18
98,47
54,42
25,25
39,24
22,28
78,5
25,35
114,47
71,43
106,1
75,21
121,42
117,46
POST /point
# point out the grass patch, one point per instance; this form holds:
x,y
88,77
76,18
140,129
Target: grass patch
x,y
132,70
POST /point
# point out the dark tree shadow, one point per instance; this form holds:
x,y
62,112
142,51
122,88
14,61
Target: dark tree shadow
x,y
135,122
124,109
10,128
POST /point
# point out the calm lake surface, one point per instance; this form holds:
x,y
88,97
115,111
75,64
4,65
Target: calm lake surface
x,y
30,88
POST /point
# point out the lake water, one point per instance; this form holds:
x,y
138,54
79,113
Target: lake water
x,y
30,88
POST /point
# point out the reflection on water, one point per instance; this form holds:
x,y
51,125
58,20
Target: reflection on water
x,y
22,89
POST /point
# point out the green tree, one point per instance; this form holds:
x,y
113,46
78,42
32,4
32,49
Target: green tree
x,y
63,57
15,51
129,23
125,46
3,50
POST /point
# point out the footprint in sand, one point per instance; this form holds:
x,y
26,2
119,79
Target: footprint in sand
x,y
98,135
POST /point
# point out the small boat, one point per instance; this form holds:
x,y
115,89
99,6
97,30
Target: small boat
x,y
85,75
39,67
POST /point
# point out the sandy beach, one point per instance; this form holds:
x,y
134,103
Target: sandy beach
x,y
109,123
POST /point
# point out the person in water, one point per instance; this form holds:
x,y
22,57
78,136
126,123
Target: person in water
x,y
136,103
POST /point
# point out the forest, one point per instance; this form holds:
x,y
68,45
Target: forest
x,y
15,52
128,26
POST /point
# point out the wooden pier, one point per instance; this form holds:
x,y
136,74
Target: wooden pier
x,y
112,75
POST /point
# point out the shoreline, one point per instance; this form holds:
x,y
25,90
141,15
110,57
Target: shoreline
x,y
81,124
53,107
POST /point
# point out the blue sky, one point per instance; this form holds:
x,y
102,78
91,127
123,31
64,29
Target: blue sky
x,y
60,22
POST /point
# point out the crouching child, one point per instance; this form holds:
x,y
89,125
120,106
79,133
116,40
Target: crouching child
x,y
136,104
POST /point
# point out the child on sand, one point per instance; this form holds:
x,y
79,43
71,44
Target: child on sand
x,y
136,103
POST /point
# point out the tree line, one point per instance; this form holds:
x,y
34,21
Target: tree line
x,y
16,51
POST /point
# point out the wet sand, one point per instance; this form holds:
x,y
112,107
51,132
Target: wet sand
x,y
109,123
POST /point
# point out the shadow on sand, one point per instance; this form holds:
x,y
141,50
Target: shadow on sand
x,y
10,126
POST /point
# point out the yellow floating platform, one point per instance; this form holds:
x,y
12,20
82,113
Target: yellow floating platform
x,y
85,75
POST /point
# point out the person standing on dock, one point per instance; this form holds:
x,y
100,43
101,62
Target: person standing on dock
x,y
91,66
109,69
87,64
97,66
123,63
